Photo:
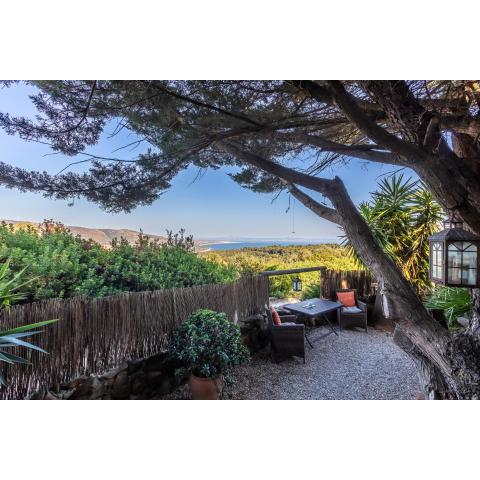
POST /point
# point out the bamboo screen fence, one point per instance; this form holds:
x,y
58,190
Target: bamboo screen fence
x,y
95,334
333,280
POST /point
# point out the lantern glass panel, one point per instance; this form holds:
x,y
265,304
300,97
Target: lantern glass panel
x,y
469,276
454,258
469,259
462,263
437,260
455,276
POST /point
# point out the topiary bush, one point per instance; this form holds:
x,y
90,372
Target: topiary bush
x,y
207,344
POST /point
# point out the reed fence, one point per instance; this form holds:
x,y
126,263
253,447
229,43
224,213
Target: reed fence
x,y
96,334
333,280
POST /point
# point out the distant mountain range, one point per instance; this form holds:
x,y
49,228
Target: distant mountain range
x,y
103,236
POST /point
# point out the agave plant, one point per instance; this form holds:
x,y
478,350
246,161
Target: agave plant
x,y
15,337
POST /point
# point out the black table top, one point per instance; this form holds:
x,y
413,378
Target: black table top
x,y
313,307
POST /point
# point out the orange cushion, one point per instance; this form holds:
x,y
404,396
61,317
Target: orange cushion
x,y
275,316
347,299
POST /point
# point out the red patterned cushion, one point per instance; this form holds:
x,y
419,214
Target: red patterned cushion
x,y
347,299
275,316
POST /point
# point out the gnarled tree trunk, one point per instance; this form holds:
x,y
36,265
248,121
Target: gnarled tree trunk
x,y
449,364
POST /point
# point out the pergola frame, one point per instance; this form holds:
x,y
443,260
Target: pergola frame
x,y
271,273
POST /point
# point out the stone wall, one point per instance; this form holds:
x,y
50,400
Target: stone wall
x,y
150,378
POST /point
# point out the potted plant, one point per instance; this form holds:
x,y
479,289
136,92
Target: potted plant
x,y
207,345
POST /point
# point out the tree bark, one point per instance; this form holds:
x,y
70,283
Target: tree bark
x,y
474,324
449,365
455,186
431,378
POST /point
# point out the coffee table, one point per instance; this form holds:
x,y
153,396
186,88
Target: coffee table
x,y
315,308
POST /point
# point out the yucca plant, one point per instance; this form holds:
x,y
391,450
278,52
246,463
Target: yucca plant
x,y
11,291
402,215
15,337
11,288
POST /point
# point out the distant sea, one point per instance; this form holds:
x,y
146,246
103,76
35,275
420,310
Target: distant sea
x,y
234,245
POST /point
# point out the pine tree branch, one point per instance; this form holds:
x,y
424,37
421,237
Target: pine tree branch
x,y
334,93
378,134
321,185
371,153
327,213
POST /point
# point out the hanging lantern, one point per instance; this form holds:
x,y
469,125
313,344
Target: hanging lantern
x,y
454,259
297,284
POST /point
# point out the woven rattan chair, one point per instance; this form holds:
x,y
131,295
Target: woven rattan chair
x,y
350,319
287,340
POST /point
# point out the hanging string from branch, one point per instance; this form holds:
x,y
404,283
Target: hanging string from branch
x,y
293,216
291,206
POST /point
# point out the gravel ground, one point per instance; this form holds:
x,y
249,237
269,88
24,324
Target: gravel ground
x,y
354,365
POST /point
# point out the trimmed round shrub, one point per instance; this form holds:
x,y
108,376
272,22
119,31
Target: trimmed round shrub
x,y
207,344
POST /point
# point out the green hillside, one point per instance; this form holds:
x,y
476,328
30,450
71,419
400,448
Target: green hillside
x,y
254,260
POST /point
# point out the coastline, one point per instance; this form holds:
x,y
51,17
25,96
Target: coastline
x,y
206,246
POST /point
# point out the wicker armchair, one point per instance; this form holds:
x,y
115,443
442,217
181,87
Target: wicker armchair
x,y
350,319
286,340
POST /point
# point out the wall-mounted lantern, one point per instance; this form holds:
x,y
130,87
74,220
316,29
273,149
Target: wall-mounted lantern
x,y
454,259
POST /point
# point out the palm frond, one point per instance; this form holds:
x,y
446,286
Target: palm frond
x,y
402,215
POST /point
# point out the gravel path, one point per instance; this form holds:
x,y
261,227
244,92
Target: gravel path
x,y
353,366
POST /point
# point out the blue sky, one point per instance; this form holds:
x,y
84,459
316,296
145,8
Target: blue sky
x,y
213,206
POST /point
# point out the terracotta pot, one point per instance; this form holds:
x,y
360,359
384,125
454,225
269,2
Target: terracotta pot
x,y
206,388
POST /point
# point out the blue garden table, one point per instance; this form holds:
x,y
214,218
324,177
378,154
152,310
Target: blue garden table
x,y
315,308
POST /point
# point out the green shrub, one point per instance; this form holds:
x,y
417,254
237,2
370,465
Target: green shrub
x,y
311,291
259,259
58,264
455,302
208,344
